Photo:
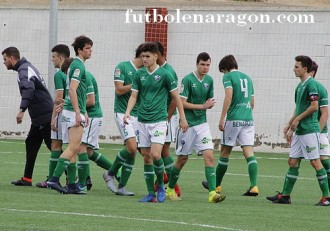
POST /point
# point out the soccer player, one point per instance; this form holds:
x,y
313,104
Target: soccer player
x,y
196,96
36,98
151,86
306,129
74,116
236,122
123,75
323,116
172,122
60,53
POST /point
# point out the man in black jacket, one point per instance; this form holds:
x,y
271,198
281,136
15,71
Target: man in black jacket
x,y
36,98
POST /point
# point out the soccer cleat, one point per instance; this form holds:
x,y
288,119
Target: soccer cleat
x,y
172,195
165,178
218,189
21,182
252,192
161,194
205,184
216,197
89,183
54,184
110,180
282,199
149,198
42,184
77,189
124,192
177,190
325,201
274,198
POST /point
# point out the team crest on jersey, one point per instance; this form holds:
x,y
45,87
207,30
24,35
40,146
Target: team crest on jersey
x,y
76,73
157,77
206,85
117,72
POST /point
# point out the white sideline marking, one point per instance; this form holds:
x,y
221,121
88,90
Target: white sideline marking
x,y
119,217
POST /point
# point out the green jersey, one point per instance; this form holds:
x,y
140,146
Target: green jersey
x,y
153,89
171,70
242,86
306,92
60,82
323,102
94,111
77,72
196,91
124,73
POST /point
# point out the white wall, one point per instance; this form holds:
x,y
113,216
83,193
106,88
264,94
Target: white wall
x,y
264,51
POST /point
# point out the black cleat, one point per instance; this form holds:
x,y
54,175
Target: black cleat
x,y
76,189
54,184
252,192
21,182
282,199
205,184
325,201
274,198
89,183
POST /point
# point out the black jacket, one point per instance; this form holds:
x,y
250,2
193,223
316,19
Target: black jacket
x,y
35,95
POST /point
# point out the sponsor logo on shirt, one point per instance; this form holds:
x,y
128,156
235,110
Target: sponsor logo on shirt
x,y
76,73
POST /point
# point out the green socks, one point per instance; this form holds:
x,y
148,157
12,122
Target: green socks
x,y
54,155
221,170
100,160
290,179
252,170
210,177
83,168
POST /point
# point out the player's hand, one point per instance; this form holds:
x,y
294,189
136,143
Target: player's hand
x,y
209,103
289,136
78,120
222,125
294,125
19,117
286,129
126,119
58,107
184,124
87,120
53,125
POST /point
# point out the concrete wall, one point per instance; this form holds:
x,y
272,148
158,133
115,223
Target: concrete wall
x,y
264,51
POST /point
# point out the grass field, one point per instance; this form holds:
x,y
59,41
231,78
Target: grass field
x,y
31,208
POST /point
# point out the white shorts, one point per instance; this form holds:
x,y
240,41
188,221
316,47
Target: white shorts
x,y
58,134
171,129
238,132
305,146
197,137
126,130
91,133
151,133
324,144
68,121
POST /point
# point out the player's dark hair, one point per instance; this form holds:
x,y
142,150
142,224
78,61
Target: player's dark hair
x,y
305,61
151,47
65,66
12,52
228,63
80,42
314,68
203,56
160,48
62,50
138,50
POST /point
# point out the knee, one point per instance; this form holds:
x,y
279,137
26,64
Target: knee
x,y
293,163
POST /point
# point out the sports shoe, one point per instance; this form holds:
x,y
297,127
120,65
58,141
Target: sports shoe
x,y
325,201
172,195
280,199
149,198
42,184
252,192
89,183
77,189
177,190
54,184
165,178
124,192
110,180
218,189
21,182
205,184
274,198
216,197
161,194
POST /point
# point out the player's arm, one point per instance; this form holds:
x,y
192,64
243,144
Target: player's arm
x,y
171,110
122,89
225,107
90,100
130,105
74,100
313,107
252,102
324,117
57,101
27,89
178,102
207,105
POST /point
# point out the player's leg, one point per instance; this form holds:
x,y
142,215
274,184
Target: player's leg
x,y
83,165
325,154
252,170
